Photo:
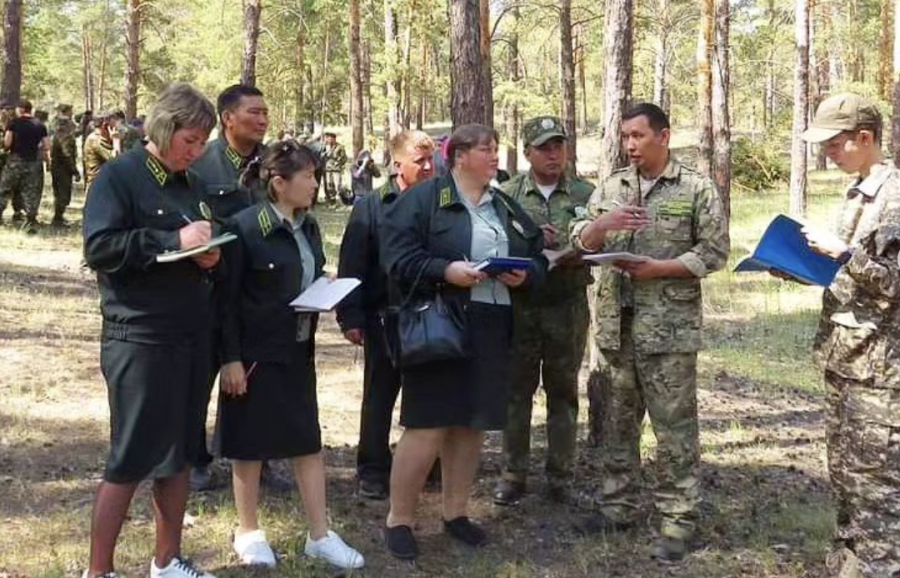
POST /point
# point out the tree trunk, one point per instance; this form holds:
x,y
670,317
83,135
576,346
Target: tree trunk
x,y
721,91
301,116
820,75
512,109
567,60
467,92
11,84
895,117
393,66
885,49
705,39
769,93
252,10
407,72
618,43
801,109
485,21
582,81
103,59
133,57
86,68
661,60
423,92
326,59
386,133
356,89
367,88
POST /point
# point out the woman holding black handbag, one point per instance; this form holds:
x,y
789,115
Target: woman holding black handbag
x,y
433,236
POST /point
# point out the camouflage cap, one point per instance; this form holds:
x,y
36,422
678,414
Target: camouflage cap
x,y
840,113
541,129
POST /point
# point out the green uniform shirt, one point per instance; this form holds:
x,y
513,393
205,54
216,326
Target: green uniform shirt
x,y
63,148
98,150
688,223
568,201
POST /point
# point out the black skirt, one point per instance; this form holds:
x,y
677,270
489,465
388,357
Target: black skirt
x,y
156,392
470,392
278,417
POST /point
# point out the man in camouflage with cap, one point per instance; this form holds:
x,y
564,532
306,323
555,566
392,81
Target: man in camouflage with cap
x,y
648,323
550,325
63,162
335,162
858,342
98,148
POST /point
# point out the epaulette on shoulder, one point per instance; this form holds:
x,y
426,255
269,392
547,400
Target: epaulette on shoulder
x,y
446,198
264,220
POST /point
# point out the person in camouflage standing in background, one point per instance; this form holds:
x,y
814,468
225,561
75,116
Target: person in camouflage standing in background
x,y
648,319
858,342
550,325
63,162
29,147
98,149
335,162
7,114
124,136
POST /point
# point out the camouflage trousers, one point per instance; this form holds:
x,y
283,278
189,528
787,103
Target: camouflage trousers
x,y
548,346
863,437
62,189
25,178
333,182
666,385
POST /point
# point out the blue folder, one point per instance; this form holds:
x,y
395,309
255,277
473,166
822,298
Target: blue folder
x,y
493,266
784,248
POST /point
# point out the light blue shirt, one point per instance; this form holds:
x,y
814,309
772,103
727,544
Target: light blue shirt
x,y
308,260
489,239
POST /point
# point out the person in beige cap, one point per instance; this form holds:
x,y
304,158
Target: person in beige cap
x,y
858,342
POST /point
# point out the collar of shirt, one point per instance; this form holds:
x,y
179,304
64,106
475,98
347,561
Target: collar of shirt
x,y
237,160
293,224
487,197
534,189
160,173
870,185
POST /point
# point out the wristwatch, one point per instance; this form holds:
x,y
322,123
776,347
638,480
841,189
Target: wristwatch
x,y
845,257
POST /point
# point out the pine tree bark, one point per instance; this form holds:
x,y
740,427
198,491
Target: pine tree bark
x,y
367,87
895,117
705,39
721,112
512,109
618,43
801,109
467,92
301,117
819,74
886,49
252,11
567,60
582,79
484,20
86,68
356,89
11,84
661,58
393,66
132,57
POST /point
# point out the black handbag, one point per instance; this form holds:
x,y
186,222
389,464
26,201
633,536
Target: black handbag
x,y
426,330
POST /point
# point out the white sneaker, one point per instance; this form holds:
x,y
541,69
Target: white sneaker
x,y
334,551
177,568
253,549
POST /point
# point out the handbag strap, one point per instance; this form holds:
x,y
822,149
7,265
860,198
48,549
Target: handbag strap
x,y
415,285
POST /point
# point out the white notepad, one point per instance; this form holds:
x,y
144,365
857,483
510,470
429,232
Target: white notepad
x,y
324,294
172,256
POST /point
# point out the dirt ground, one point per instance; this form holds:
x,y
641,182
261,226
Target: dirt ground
x,y
766,513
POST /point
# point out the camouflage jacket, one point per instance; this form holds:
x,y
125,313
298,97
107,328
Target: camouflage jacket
x,y
63,148
98,150
335,158
688,223
859,330
568,201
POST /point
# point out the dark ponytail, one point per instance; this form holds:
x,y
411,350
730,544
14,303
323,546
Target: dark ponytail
x,y
282,159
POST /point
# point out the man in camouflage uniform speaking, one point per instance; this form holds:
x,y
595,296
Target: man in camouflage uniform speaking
x,y
551,325
858,343
647,323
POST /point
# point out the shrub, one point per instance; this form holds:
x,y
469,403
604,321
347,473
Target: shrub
x,y
758,165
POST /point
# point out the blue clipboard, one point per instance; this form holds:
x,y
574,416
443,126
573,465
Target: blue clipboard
x,y
494,266
784,248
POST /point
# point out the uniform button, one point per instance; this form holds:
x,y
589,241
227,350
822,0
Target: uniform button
x,y
221,192
271,265
159,211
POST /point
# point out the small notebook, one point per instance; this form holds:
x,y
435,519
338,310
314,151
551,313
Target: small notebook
x,y
172,256
609,259
324,294
497,265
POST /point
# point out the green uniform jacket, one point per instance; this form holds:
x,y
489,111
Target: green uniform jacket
x,y
859,332
688,223
64,149
335,158
567,202
220,170
98,150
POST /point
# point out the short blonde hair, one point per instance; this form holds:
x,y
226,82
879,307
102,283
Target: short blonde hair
x,y
410,139
179,106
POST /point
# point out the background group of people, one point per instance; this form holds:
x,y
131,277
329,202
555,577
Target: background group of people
x,y
171,329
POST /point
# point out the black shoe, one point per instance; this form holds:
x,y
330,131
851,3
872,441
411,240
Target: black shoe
x,y
465,531
273,480
668,550
18,217
600,524
30,227
508,492
401,542
373,489
59,223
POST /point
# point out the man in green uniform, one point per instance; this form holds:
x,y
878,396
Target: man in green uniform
x,y
858,341
98,149
335,163
648,323
124,136
63,163
29,147
550,324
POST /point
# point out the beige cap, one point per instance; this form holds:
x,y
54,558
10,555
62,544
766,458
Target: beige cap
x,y
840,113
